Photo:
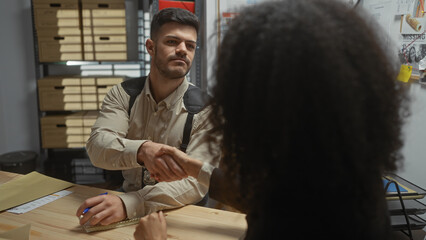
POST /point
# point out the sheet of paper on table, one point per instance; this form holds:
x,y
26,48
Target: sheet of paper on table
x,y
38,202
28,188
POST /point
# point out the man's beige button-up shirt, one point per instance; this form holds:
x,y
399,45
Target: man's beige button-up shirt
x,y
116,138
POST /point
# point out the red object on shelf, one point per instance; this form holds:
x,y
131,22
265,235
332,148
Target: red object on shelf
x,y
190,6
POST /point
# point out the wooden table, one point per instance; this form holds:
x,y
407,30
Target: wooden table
x,y
57,220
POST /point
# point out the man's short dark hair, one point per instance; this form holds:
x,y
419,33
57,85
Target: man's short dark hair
x,y
177,15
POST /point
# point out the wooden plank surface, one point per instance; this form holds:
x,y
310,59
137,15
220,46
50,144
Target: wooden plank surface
x,y
57,220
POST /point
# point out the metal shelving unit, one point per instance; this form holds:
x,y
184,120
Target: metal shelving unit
x,y
138,18
135,28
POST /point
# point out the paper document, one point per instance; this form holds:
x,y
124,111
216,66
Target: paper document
x,y
382,11
28,188
39,202
404,7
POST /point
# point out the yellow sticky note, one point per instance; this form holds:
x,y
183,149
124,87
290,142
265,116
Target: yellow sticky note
x,y
405,73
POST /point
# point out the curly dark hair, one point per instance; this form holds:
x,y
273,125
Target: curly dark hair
x,y
311,116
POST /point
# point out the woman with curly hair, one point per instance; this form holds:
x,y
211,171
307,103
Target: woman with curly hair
x,y
307,140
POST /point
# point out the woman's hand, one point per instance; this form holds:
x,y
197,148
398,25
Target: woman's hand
x,y
161,166
152,227
189,165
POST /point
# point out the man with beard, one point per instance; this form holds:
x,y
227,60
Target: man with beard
x,y
129,133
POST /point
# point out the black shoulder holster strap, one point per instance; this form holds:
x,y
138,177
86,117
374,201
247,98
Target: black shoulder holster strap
x,y
194,100
133,87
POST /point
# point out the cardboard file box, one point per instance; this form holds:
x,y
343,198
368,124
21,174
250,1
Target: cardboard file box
x,y
110,56
91,11
108,81
103,4
51,13
51,52
59,93
88,48
73,93
62,131
58,31
67,130
104,24
59,48
61,23
100,31
111,47
56,18
53,32
57,3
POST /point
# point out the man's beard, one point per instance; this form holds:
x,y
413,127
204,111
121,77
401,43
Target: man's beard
x,y
168,73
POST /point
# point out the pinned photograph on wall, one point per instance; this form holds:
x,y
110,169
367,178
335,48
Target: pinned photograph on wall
x,y
412,53
422,71
412,25
414,22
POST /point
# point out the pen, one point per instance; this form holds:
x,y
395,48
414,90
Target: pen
x,y
87,209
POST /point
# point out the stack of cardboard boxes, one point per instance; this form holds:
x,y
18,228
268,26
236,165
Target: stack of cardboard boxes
x,y
73,93
104,29
76,30
58,30
67,130
93,30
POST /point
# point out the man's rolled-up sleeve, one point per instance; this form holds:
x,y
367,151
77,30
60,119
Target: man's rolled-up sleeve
x,y
107,146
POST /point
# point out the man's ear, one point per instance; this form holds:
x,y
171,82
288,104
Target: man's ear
x,y
150,46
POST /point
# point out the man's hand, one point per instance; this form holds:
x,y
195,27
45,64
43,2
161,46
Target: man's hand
x,y
104,209
161,167
151,227
190,166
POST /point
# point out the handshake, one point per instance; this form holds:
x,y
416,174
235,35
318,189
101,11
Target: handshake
x,y
166,163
